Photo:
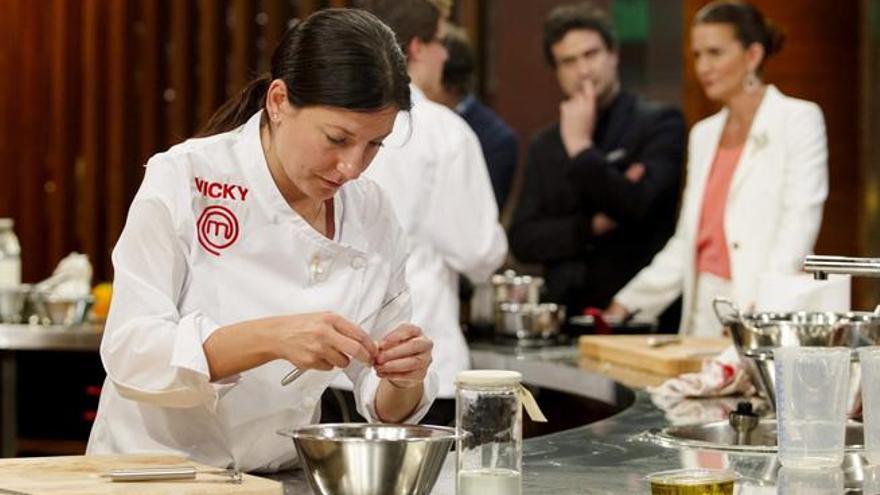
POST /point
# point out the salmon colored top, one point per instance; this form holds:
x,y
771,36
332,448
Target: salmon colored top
x,y
712,254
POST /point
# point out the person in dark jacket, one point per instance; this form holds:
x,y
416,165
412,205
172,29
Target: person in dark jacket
x,y
600,193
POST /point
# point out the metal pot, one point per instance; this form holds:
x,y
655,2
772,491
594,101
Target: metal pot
x,y
755,335
512,288
507,287
529,321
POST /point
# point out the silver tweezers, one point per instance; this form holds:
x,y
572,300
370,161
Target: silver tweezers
x,y
297,372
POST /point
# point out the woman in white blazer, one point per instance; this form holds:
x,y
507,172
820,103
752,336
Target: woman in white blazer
x,y
756,182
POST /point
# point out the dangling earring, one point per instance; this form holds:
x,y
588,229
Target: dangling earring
x,y
751,83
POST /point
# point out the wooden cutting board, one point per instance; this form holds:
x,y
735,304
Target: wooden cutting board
x,y
80,475
669,360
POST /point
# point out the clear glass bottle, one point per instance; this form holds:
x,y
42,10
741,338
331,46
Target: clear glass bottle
x,y
10,255
488,416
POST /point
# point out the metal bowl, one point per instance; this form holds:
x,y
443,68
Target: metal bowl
x,y
362,459
12,303
755,335
57,310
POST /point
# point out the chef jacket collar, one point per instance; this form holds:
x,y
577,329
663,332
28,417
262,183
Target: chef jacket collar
x,y
416,94
249,153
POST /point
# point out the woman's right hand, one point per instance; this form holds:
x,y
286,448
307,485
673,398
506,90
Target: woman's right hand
x,y
616,311
321,341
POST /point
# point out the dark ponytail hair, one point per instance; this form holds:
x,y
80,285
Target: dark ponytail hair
x,y
749,24
343,58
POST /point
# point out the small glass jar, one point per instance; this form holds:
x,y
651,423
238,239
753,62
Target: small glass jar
x,y
488,417
10,256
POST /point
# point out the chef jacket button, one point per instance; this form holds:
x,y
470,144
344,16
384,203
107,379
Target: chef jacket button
x,y
358,262
735,245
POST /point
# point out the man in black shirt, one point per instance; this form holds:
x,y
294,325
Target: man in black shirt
x,y
601,186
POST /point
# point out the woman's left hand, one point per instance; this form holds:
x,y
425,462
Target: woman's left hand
x,y
404,356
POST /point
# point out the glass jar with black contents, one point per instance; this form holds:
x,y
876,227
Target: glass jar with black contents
x,y
489,427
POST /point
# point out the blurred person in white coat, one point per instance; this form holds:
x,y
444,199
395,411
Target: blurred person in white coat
x,y
435,174
757,179
256,248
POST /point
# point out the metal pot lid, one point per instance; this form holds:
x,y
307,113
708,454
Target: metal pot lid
x,y
507,307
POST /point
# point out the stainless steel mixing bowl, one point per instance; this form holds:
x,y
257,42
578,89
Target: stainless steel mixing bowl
x,y
368,459
12,303
755,335
56,310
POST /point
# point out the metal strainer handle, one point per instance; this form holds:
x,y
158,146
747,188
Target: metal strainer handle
x,y
732,307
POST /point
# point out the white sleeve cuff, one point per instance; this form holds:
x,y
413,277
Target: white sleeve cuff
x,y
365,396
188,356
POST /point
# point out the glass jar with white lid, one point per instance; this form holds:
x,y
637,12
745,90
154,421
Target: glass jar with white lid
x,y
489,429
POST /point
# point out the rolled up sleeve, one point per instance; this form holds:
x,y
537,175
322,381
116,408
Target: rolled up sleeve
x,y
151,352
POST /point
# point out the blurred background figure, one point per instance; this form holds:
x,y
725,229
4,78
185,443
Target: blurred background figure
x,y
757,178
601,183
497,140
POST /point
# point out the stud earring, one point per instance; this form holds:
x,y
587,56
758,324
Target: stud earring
x,y
751,83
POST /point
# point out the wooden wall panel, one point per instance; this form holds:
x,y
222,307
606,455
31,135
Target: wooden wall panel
x,y
243,32
179,95
211,60
90,214
113,196
10,63
278,14
64,81
93,88
470,17
32,117
149,79
304,8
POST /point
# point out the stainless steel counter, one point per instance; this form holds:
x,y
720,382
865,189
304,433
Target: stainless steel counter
x,y
607,457
612,456
49,337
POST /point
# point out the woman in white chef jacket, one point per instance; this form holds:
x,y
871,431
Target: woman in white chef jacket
x,y
756,183
254,249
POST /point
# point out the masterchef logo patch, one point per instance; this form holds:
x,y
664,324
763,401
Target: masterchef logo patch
x,y
217,228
